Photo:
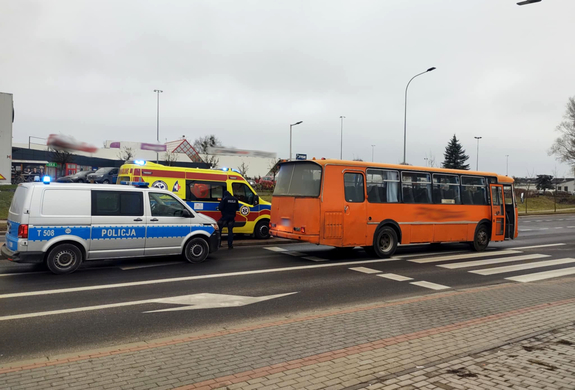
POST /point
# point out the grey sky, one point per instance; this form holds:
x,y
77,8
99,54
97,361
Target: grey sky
x,y
245,70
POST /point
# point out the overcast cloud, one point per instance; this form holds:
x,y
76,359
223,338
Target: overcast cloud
x,y
244,70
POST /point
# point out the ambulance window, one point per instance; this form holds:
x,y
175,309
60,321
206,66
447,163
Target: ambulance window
x,y
120,203
205,191
243,193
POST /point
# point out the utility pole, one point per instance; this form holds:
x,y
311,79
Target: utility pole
x,y
158,92
341,147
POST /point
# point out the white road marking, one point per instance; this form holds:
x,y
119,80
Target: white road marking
x,y
191,302
430,285
543,275
520,267
560,227
314,258
396,277
544,229
209,301
149,265
539,246
23,273
467,264
427,254
525,230
275,249
295,254
465,256
571,227
188,278
365,270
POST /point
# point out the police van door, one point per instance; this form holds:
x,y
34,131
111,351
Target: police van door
x,y
167,226
118,224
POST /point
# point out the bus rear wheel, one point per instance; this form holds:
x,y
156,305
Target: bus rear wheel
x,y
385,242
481,239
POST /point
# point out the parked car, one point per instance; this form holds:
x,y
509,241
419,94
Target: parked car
x,y
78,177
266,182
107,175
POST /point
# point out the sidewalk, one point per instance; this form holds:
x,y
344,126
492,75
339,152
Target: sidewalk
x,y
408,344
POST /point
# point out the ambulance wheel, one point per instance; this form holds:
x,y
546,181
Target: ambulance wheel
x,y
64,259
262,229
385,242
196,250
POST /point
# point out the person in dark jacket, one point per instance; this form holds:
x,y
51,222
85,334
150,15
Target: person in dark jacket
x,y
229,206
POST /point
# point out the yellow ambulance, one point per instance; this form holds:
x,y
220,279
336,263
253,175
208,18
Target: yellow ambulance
x,y
203,189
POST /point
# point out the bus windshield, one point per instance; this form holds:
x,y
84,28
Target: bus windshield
x,y
298,179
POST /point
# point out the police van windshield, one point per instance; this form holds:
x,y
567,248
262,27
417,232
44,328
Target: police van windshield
x,y
298,179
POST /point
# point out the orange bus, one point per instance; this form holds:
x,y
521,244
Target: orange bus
x,y
378,206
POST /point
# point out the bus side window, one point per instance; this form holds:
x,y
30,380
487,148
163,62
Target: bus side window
x,y
354,189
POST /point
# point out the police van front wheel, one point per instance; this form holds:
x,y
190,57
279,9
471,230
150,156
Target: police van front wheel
x,y
262,229
196,250
64,259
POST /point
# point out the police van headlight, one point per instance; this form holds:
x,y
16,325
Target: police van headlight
x,y
215,226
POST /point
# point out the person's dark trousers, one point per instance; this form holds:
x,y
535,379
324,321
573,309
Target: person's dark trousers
x,y
228,223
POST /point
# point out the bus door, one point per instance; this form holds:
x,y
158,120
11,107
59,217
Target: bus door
x,y
510,211
354,209
497,213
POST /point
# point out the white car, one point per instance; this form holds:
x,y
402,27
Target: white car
x,y
63,225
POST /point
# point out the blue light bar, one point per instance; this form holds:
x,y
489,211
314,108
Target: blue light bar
x,y
46,179
140,162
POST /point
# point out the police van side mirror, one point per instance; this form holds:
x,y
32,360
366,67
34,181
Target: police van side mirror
x,y
187,214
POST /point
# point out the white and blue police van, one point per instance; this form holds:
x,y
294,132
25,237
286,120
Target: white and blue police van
x,y
64,224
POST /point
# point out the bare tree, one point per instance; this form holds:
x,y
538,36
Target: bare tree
x,y
170,158
125,153
243,168
431,159
564,146
62,157
203,145
274,166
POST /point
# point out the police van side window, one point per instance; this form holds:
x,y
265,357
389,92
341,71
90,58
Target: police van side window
x,y
165,205
117,203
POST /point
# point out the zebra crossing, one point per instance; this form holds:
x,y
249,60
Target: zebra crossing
x,y
513,255
492,262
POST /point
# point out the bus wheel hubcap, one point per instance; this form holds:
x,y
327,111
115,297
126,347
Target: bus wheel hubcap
x,y
385,242
64,259
482,237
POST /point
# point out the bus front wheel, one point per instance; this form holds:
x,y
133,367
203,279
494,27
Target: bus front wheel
x,y
385,242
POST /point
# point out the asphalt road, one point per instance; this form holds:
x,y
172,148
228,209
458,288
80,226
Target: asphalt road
x,y
117,302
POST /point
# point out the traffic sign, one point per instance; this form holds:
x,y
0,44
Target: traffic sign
x,y
301,156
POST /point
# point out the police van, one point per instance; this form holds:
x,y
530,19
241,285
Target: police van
x,y
63,224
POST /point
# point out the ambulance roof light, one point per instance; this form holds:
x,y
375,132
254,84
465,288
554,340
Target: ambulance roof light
x,y
46,179
225,169
140,162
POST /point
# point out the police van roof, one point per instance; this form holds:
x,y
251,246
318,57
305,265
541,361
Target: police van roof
x,y
110,187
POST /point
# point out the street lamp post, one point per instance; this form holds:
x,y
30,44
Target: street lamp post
x,y
341,145
372,150
477,163
290,126
405,113
158,92
507,165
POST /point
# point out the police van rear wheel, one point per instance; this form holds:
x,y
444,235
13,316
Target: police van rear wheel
x,y
262,229
196,250
64,259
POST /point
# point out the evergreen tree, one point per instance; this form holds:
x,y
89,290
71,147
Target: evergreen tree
x,y
455,156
